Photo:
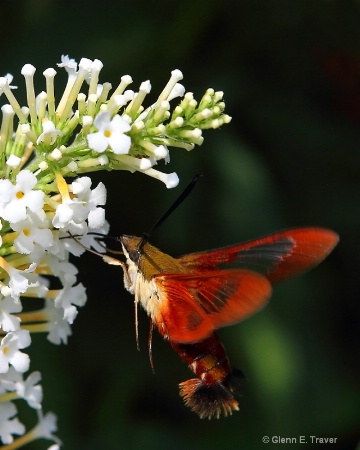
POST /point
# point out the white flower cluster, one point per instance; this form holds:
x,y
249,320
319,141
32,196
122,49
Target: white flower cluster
x,y
116,132
32,250
40,210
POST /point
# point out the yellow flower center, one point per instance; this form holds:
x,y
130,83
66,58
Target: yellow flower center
x,y
19,195
26,231
107,133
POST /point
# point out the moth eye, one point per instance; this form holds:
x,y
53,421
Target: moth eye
x,y
134,255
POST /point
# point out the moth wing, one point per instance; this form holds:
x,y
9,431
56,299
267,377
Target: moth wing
x,y
276,256
194,304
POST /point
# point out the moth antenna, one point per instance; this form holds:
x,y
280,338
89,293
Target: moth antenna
x,y
177,202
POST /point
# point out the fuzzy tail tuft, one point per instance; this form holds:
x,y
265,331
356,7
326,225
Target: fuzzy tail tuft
x,y
208,401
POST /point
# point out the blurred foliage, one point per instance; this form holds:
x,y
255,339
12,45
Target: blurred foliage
x,y
290,71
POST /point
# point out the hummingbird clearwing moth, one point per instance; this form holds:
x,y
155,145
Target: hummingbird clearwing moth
x,y
190,297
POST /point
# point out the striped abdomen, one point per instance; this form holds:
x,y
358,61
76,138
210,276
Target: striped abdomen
x,y
211,394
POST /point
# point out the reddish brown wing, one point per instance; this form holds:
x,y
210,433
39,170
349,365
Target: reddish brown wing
x,y
277,256
194,304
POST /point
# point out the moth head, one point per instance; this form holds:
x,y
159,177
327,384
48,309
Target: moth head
x,y
131,247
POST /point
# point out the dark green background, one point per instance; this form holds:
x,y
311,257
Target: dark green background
x,y
290,71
